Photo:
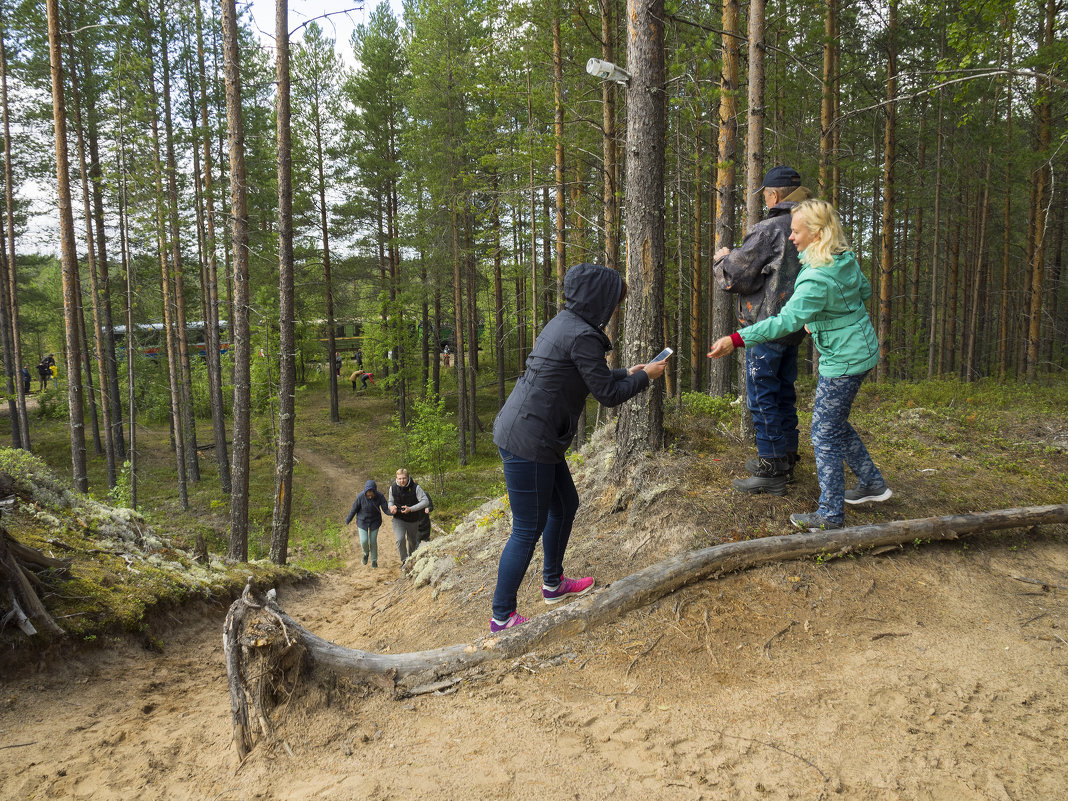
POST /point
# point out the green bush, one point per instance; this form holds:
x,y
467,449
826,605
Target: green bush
x,y
719,408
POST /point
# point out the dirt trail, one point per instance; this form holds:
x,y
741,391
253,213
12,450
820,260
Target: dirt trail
x,y
920,674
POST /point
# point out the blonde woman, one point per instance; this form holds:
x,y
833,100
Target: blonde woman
x,y
828,301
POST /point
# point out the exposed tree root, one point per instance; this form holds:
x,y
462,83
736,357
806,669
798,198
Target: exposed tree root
x,y
258,633
17,581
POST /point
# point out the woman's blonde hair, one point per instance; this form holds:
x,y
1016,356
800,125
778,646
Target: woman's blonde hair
x,y
822,221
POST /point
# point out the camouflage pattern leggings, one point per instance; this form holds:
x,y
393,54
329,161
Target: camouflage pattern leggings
x,y
834,440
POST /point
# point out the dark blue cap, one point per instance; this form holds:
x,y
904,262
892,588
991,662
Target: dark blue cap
x,y
781,176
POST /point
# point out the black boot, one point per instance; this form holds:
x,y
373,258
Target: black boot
x,y
770,476
752,464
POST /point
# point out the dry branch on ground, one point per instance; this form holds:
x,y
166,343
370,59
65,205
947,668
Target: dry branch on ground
x,y
258,631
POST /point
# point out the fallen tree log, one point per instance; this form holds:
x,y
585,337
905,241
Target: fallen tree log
x,y
246,633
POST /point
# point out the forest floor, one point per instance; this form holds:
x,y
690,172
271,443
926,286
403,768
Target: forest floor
x,y
928,672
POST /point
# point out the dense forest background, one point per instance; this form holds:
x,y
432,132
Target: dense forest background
x,y
434,192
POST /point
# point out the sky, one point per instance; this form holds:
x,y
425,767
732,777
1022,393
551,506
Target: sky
x,y
345,16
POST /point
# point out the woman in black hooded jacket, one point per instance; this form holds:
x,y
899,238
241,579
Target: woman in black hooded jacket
x,y
538,422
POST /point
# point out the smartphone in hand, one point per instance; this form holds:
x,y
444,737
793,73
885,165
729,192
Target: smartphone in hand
x,y
662,355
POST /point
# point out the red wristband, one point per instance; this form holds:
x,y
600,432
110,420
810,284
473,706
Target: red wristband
x,y
737,341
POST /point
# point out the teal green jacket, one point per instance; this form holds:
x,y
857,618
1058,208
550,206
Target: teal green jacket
x,y
830,301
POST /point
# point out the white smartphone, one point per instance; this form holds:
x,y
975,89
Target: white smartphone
x,y
661,355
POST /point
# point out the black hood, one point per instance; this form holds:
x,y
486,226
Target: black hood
x,y
370,485
592,292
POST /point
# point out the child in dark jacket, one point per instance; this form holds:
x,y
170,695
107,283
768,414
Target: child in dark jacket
x,y
367,509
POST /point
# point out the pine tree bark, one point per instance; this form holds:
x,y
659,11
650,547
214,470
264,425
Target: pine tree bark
x,y
242,345
886,259
69,258
211,288
10,288
723,304
287,378
640,426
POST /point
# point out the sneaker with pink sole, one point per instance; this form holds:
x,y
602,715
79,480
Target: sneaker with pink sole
x,y
568,588
514,619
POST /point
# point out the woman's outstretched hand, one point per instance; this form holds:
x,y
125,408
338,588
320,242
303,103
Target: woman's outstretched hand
x,y
721,347
654,369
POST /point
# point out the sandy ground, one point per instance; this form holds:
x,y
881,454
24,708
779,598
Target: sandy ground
x,y
922,673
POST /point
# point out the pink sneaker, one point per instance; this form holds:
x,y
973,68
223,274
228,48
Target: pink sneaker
x,y
514,619
568,588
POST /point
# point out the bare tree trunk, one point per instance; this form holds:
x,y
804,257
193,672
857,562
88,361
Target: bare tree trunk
x,y
1004,327
287,378
242,346
932,328
277,635
10,289
127,266
211,289
723,304
94,284
640,425
610,209
1041,179
886,259
498,293
185,383
458,325
558,137
69,257
754,147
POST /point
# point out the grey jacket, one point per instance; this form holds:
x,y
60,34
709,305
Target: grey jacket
x,y
539,419
762,270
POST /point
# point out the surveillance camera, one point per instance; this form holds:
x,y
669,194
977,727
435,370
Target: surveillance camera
x,y
606,71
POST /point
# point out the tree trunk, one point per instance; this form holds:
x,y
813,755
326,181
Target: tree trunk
x,y
185,381
723,303
287,378
754,147
11,287
558,139
272,634
641,421
886,258
242,346
211,289
69,258
94,283
1041,179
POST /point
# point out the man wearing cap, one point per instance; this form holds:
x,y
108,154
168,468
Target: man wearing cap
x,y
762,272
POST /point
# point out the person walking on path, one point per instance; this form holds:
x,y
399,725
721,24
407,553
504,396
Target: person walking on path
x,y
828,301
537,423
406,503
25,374
44,372
762,272
367,509
424,521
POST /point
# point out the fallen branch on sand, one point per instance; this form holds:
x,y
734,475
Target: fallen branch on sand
x,y
257,629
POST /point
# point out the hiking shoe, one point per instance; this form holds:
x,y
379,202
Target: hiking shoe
x,y
514,619
567,588
365,559
752,465
769,474
862,493
812,521
374,564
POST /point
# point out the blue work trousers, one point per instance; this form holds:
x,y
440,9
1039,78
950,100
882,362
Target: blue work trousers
x,y
544,502
770,373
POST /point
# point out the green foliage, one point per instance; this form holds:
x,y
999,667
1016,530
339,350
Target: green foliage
x,y
430,440
718,408
122,494
52,403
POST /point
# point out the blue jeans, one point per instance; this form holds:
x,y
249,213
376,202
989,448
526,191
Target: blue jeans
x,y
835,440
770,373
369,542
544,502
